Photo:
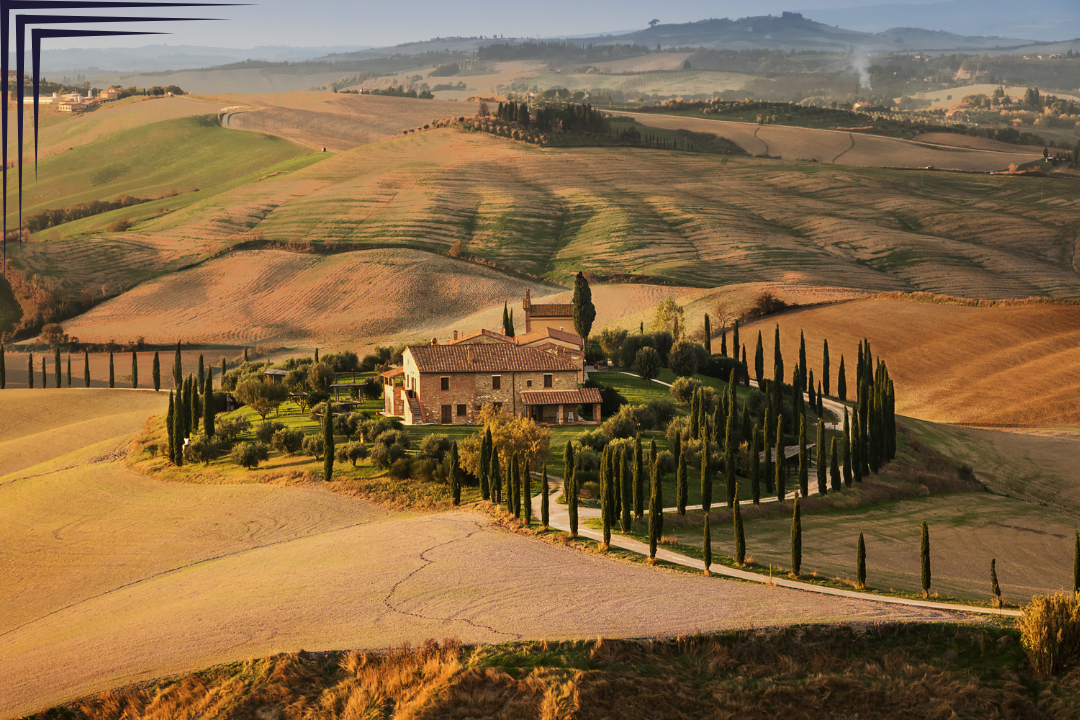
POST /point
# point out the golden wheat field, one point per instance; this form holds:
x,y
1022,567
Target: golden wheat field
x,y
846,148
690,219
1009,365
111,577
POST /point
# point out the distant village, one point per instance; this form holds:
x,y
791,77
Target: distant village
x,y
72,101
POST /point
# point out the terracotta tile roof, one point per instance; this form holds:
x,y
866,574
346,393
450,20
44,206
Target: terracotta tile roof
x,y
486,357
581,396
501,337
392,373
548,332
552,310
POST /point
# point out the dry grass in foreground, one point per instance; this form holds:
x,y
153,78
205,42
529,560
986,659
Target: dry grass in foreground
x,y
885,671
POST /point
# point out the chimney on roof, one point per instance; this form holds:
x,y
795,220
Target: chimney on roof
x,y
455,336
469,354
434,341
528,301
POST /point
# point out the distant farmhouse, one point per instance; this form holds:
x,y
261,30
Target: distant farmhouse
x,y
535,375
73,102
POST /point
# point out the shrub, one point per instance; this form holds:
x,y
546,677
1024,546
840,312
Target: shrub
x,y
594,439
721,367
344,361
264,433
683,389
610,398
611,341
348,424
435,446
351,452
313,445
249,454
202,449
679,427
1050,632
586,460
423,469
287,441
372,389
369,363
663,409
373,428
319,409
665,462
685,357
393,437
400,468
230,428
622,424
383,456
766,304
121,225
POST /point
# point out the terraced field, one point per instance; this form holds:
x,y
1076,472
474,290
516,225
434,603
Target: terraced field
x,y
690,219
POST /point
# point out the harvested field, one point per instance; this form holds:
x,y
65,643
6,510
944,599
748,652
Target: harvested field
x,y
292,298
338,121
965,141
844,148
690,219
111,577
1012,364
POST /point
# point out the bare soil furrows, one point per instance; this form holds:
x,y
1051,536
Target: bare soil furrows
x,y
950,363
111,577
283,297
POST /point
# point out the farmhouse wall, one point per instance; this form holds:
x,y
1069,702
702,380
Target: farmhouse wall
x,y
474,390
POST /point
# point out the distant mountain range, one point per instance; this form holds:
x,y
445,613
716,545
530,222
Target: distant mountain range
x,y
157,58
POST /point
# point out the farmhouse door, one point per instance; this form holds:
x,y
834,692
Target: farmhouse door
x,y
447,415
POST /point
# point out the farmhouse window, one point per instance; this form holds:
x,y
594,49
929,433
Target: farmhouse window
x,y
496,382
547,382
461,411
528,383
444,383
498,407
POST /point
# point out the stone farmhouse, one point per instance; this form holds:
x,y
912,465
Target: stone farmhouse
x,y
534,375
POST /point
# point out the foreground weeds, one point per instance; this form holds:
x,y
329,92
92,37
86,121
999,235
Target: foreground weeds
x,y
888,671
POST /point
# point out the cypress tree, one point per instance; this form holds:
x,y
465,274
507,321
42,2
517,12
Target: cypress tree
x,y
570,488
169,430
740,537
112,371
485,464
3,368
860,562
639,480
69,370
526,492
723,341
1076,564
44,376
802,361
778,356
178,431
706,545
316,355
855,449
223,368
655,513
834,467
616,483
194,400
708,335
178,368
208,403
134,370
506,319
545,490
994,587
804,461
695,414
706,478
605,496
495,478
841,382
155,372
796,540
825,368
759,361
202,370
328,450
745,366
766,445
755,466
847,450
812,399
680,483
820,405
729,442
246,354
924,559
86,368
513,482
819,452
735,339
779,461
57,375
30,370
627,493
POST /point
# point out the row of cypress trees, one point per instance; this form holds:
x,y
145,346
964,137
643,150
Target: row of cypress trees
x,y
59,375
190,404
511,486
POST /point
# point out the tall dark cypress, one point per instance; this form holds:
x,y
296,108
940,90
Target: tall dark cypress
x,y
819,452
508,483
169,428
194,400
495,477
820,409
779,461
841,381
606,496
1076,563
995,589
778,356
30,370
44,376
723,341
616,483
86,368
735,345
178,431
825,368
766,445
57,374
860,562
69,370
708,335
202,371
680,483
854,457
804,461
328,446
802,360
208,403
847,449
706,545
796,540
112,371
655,510
570,488
759,361
134,370
455,475
515,470
755,465
706,478
924,559
834,467
740,537
545,491
485,465
224,367
178,368
729,441
625,479
639,480
3,368
155,371
526,491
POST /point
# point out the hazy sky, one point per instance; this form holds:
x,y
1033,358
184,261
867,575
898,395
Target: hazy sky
x,y
346,22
